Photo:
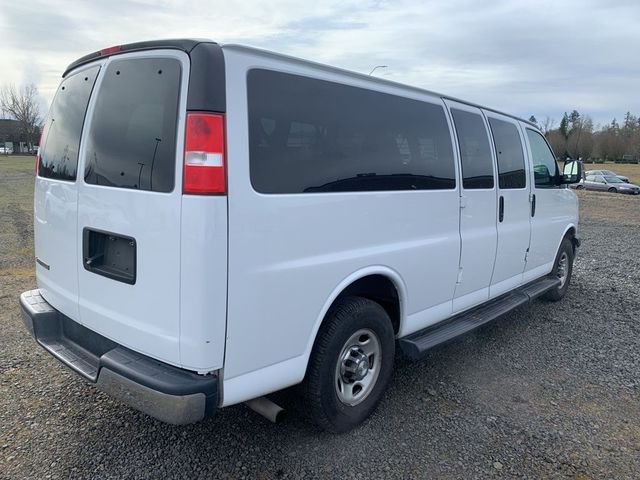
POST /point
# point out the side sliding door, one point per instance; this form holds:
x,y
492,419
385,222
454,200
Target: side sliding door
x,y
478,206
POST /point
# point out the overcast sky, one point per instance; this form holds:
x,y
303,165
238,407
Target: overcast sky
x,y
524,57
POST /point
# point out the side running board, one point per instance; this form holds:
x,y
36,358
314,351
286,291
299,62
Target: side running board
x,y
416,344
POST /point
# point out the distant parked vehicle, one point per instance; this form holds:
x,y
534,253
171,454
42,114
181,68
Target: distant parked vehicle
x,y
607,173
607,183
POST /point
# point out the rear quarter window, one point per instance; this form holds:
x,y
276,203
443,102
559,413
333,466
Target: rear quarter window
x,y
132,138
308,135
63,126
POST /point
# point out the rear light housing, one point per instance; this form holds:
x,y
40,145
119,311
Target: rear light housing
x,y
110,50
204,154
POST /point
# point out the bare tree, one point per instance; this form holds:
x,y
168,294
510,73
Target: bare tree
x,y
557,142
22,105
547,125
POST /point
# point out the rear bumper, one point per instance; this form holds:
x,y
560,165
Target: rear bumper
x,y
165,392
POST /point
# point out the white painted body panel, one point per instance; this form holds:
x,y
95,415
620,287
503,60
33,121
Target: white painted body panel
x,y
55,226
203,282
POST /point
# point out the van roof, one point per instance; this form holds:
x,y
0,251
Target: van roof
x,y
187,45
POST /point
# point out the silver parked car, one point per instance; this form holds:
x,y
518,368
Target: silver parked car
x,y
607,183
607,173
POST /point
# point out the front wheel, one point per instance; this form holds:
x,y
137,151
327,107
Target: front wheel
x,y
580,187
562,269
350,365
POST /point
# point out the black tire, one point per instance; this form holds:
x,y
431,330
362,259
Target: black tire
x,y
612,190
566,248
580,187
347,317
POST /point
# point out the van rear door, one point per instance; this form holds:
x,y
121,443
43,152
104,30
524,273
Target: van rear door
x,y
129,202
56,191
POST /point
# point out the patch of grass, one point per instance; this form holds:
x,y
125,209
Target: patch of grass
x,y
16,163
18,272
16,211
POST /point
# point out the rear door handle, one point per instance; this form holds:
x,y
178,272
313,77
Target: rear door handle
x,y
501,209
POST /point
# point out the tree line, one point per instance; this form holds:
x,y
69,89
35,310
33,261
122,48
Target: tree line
x,y
576,137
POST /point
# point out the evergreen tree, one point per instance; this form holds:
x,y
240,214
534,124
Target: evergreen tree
x,y
564,126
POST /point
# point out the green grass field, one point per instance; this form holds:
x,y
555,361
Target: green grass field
x,y
16,215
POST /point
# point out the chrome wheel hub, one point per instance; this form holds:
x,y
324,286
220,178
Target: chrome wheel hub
x,y
358,367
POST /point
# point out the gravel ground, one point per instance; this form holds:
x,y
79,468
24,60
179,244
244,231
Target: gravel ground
x,y
548,391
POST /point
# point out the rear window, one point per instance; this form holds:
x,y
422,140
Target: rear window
x,y
132,140
63,127
309,135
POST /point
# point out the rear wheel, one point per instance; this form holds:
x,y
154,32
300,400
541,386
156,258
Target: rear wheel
x,y
612,190
562,269
350,365
580,187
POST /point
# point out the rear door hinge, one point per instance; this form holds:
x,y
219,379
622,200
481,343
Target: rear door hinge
x,y
463,201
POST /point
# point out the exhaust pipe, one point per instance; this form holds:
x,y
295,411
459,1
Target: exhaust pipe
x,y
267,409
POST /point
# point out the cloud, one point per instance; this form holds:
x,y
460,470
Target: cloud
x,y
539,58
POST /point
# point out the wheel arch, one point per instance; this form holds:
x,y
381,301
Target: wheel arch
x,y
571,233
373,282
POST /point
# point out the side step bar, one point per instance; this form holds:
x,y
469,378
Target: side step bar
x,y
416,344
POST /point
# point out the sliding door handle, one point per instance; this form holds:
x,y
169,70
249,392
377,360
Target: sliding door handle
x,y
501,209
533,205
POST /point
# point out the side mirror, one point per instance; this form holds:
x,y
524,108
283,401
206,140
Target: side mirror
x,y
572,171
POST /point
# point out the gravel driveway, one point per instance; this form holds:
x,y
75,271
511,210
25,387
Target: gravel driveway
x,y
552,390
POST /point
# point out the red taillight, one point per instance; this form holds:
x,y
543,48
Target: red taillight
x,y
111,50
204,169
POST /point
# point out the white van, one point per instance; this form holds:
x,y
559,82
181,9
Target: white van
x,y
215,223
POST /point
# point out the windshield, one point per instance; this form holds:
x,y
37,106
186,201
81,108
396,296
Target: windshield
x,y
613,180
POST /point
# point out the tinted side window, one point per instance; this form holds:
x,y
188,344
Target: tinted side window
x,y
475,151
63,128
511,173
545,168
132,141
309,135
